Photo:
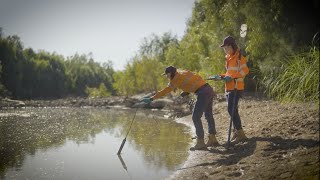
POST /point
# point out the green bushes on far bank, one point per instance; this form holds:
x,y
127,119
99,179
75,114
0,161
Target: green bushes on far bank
x,y
102,91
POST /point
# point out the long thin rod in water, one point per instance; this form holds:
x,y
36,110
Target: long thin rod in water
x,y
125,139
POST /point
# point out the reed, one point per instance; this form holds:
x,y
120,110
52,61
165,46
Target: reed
x,y
298,78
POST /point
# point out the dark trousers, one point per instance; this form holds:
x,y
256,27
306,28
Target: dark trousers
x,y
233,102
204,105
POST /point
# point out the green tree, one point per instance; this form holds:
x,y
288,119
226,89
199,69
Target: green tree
x,y
84,72
98,92
142,73
125,81
29,74
156,46
11,60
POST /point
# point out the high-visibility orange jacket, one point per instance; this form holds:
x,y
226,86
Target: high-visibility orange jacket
x,y
185,80
236,67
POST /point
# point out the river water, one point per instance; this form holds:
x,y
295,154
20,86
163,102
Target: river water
x,y
82,143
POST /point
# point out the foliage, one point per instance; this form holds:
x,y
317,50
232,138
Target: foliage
x,y
297,79
156,46
142,74
98,92
29,74
84,72
274,32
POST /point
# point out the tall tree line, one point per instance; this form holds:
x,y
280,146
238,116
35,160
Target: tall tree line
x,y
27,74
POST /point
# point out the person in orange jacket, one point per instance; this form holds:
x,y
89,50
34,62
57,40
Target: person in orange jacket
x,y
236,67
190,82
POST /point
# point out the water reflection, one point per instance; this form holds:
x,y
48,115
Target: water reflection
x,y
65,143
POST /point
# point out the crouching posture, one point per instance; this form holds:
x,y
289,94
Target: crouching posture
x,y
190,82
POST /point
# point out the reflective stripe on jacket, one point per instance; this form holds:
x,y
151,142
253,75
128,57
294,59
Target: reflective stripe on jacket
x,y
185,80
236,70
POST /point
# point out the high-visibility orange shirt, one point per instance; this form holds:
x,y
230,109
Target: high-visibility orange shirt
x,y
187,81
237,70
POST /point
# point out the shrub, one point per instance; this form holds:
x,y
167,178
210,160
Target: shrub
x,y
298,79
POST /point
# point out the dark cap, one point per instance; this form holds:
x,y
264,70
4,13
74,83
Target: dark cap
x,y
228,41
170,69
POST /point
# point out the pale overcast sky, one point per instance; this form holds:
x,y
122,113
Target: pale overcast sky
x,y
110,29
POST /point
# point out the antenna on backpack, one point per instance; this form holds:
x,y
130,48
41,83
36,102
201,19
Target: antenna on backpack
x,y
243,34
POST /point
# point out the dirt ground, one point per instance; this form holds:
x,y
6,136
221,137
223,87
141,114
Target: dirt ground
x,y
283,143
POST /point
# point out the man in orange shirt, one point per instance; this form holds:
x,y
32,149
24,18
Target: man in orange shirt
x,y
190,82
236,66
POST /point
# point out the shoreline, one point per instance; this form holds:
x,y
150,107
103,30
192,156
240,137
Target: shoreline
x,y
177,107
186,120
283,143
283,139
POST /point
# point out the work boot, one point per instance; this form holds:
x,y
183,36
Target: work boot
x,y
200,145
241,137
212,141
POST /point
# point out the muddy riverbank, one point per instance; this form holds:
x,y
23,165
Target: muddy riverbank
x,y
175,107
283,143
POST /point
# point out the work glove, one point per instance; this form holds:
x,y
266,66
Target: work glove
x,y
184,94
227,78
147,100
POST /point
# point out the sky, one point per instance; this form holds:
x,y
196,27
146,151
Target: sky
x,y
109,29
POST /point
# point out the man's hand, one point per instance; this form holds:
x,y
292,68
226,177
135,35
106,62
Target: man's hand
x,y
147,100
227,78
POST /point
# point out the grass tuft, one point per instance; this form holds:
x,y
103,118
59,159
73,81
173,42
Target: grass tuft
x,y
298,79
